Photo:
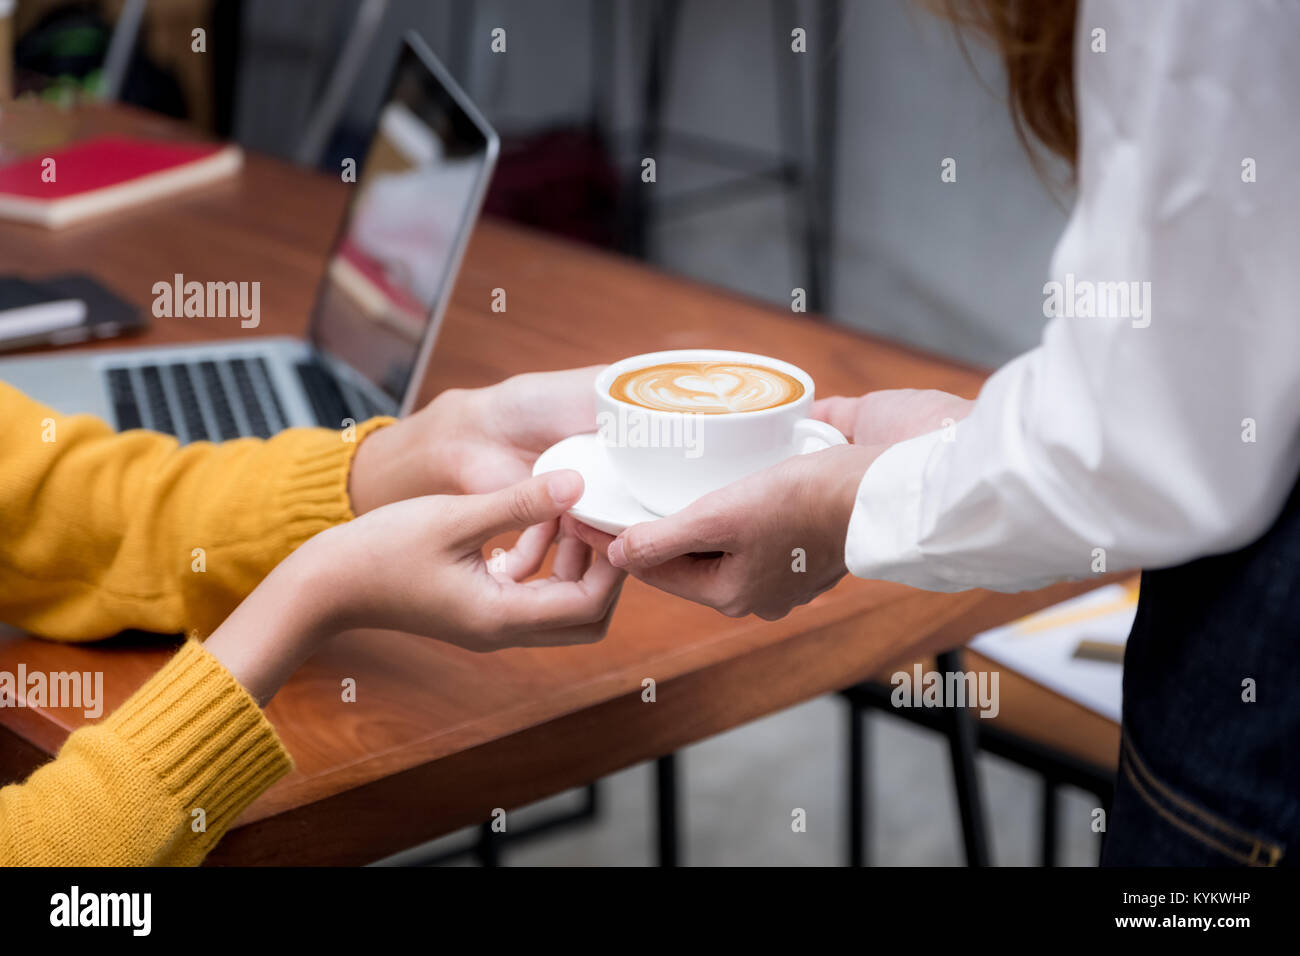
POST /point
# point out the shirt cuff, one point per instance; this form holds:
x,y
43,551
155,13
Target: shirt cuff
x,y
884,538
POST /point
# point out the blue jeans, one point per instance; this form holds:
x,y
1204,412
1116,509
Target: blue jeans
x,y
1210,763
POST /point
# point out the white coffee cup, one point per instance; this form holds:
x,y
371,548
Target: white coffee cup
x,y
669,459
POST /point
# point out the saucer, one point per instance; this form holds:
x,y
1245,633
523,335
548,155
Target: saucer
x,y
605,504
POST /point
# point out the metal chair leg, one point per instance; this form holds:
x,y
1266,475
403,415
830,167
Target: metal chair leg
x,y
669,848
961,740
796,161
857,797
859,809
1050,813
820,243
637,215
488,848
1106,804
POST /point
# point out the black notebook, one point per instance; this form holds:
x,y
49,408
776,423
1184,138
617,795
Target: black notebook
x,y
62,310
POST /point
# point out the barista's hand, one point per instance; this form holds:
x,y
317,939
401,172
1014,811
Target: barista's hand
x,y
780,533
892,415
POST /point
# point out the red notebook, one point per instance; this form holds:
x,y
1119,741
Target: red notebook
x,y
101,175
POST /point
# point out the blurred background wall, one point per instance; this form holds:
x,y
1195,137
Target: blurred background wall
x,y
954,267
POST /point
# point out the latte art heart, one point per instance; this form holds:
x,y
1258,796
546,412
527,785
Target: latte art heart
x,y
706,388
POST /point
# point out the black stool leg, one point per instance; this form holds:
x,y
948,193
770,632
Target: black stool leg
x,y
666,799
858,810
1107,800
962,745
488,849
1051,811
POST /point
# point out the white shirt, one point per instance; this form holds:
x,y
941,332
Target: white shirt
x,y
1152,439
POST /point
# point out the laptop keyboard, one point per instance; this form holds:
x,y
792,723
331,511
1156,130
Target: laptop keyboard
x,y
122,396
324,394
227,427
248,397
156,400
188,399
329,403
218,399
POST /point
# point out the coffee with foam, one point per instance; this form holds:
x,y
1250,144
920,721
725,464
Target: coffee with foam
x,y
752,413
706,388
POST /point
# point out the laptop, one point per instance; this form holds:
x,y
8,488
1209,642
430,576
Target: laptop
x,y
417,194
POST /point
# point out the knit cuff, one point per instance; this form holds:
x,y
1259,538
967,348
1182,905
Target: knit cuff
x,y
204,738
313,493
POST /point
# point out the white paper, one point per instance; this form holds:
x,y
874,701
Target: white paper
x,y
1041,646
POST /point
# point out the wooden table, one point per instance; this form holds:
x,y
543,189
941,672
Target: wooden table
x,y
438,737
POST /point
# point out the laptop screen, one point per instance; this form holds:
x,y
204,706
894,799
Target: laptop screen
x,y
417,193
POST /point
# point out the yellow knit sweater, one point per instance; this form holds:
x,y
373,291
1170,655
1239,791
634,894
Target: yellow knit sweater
x,y
98,533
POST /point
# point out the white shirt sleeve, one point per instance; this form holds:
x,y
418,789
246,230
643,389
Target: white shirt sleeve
x,y
1152,432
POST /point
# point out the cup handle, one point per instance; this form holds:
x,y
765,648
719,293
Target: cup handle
x,y
813,435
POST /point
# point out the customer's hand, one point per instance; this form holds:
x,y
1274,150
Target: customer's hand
x,y
418,566
892,415
469,441
762,545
